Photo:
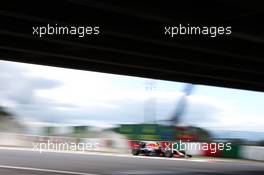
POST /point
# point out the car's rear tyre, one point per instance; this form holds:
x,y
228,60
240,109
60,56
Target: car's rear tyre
x,y
135,152
168,153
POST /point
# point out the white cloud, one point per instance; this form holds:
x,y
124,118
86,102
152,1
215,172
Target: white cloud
x,y
64,95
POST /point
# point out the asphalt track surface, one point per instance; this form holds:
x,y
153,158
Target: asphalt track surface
x,y
31,162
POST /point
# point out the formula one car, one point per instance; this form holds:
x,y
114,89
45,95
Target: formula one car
x,y
155,149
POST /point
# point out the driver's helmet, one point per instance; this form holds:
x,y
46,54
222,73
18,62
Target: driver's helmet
x,y
158,145
142,144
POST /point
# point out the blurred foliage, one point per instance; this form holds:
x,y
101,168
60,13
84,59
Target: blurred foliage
x,y
9,123
162,132
80,129
4,113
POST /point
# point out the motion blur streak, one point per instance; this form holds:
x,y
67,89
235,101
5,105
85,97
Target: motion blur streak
x,y
43,170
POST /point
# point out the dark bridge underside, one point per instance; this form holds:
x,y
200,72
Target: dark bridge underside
x,y
132,40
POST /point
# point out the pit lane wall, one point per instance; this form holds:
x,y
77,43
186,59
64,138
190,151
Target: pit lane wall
x,y
120,145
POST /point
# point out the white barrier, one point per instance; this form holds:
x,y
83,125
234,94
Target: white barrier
x,y
252,152
13,140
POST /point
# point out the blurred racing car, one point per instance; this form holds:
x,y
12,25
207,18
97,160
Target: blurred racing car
x,y
160,149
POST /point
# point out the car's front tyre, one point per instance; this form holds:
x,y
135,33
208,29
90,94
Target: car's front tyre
x,y
135,152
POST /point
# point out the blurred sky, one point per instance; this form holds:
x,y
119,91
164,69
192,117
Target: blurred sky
x,y
48,94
